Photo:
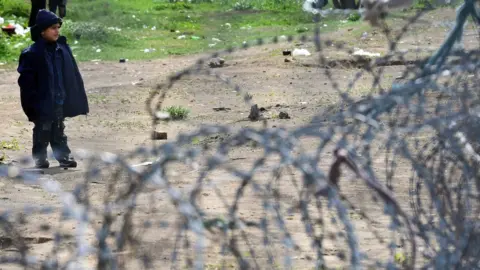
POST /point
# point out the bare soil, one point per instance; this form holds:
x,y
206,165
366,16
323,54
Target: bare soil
x,y
118,123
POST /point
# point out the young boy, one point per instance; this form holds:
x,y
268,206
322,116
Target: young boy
x,y
51,88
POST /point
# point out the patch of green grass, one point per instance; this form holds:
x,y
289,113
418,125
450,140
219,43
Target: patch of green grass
x,y
10,145
353,17
95,98
177,112
3,158
147,29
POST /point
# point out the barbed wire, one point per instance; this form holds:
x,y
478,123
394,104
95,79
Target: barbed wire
x,y
426,125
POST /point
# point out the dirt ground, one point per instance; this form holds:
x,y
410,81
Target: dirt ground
x,y
118,123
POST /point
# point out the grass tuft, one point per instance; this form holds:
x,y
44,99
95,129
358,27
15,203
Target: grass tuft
x,y
177,112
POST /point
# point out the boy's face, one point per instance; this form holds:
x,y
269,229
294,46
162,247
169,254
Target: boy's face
x,y
51,34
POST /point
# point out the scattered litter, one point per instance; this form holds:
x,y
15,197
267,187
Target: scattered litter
x,y
114,29
76,42
177,31
216,40
154,28
212,45
123,60
288,60
98,50
248,27
145,27
133,16
361,52
287,52
303,102
325,25
222,109
228,25
300,52
283,115
147,163
19,30
283,38
149,50
181,37
2,20
195,38
364,35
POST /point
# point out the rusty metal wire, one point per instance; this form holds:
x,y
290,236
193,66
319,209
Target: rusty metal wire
x,y
426,125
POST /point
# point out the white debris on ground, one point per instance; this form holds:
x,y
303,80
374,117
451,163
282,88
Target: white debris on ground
x,y
2,20
149,50
181,37
361,52
114,29
300,52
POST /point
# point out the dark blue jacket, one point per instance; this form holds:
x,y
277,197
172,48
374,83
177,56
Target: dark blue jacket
x,y
37,90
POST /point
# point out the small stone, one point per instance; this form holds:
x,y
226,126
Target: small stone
x,y
216,63
220,109
254,113
288,60
283,115
159,135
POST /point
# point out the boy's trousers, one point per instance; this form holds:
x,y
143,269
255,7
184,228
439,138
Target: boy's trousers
x,y
53,133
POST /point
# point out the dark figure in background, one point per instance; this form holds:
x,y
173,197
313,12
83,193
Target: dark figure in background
x,y
61,4
36,6
51,88
52,6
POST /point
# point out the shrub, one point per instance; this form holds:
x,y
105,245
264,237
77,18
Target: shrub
x,y
173,6
92,32
17,8
353,17
243,5
177,112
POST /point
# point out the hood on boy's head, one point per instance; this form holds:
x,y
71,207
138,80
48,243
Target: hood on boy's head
x,y
44,20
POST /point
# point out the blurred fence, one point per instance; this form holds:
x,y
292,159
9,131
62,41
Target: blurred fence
x,y
424,127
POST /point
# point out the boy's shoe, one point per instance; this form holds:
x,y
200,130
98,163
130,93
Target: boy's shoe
x,y
42,164
68,163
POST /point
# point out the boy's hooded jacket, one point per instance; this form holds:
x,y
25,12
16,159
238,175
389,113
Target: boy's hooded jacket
x,y
36,84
